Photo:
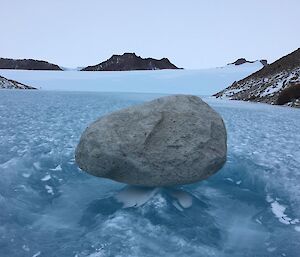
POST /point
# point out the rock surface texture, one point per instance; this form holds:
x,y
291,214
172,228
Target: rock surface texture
x,y
169,141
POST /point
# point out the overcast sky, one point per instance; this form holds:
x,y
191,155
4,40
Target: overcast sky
x,y
191,33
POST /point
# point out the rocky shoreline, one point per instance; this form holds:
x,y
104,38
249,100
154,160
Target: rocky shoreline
x,y
12,84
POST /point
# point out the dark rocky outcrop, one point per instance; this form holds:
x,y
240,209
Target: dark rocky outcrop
x,y
264,62
241,61
130,61
27,64
290,94
267,84
171,140
12,84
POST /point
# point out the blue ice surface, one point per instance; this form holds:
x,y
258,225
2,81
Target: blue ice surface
x,y
49,207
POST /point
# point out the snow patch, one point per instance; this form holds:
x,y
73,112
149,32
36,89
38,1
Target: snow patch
x,y
37,165
183,198
36,254
135,196
278,210
46,178
57,168
49,189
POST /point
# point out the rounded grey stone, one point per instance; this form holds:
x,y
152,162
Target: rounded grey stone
x,y
171,140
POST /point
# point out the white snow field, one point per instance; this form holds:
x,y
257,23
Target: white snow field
x,y
49,207
201,82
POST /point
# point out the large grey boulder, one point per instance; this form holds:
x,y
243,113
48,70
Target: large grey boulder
x,y
169,141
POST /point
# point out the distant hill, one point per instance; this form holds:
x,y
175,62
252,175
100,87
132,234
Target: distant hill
x,y
273,83
12,84
27,64
130,61
243,60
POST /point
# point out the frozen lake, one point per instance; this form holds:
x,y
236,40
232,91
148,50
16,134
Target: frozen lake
x,y
48,207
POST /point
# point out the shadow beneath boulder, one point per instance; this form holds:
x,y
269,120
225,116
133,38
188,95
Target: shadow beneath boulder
x,y
174,209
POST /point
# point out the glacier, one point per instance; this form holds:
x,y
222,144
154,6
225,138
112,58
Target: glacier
x,y
49,207
201,82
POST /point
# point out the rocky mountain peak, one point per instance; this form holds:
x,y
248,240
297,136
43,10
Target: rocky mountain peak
x,y
130,61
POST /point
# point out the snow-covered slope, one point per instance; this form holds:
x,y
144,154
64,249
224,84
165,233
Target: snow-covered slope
x,y
12,84
268,84
200,82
